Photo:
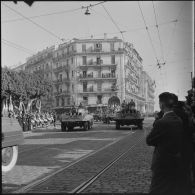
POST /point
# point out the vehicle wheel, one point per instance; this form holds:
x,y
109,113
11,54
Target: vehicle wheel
x,y
70,128
140,127
117,125
9,158
63,127
89,125
85,126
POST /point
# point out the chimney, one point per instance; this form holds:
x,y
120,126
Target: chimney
x,y
105,35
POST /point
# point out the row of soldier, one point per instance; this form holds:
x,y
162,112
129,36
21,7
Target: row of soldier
x,y
42,119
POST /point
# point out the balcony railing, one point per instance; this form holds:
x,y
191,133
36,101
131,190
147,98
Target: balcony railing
x,y
61,68
97,65
105,90
64,92
100,50
102,76
58,81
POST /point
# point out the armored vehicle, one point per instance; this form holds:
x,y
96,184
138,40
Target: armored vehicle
x,y
79,118
128,115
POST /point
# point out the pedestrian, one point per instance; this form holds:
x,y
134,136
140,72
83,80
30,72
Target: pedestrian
x,y
166,136
181,110
54,119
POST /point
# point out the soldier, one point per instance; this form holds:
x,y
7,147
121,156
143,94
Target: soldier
x,y
54,119
123,106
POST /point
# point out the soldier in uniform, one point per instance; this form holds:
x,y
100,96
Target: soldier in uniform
x,y
123,106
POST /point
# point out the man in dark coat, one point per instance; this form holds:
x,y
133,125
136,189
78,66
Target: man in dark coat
x,y
166,137
180,109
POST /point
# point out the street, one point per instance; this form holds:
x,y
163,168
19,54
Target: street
x,y
55,161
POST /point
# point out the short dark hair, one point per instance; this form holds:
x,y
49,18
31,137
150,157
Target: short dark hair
x,y
175,98
168,99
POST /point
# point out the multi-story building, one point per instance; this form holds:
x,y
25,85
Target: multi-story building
x,y
90,71
43,61
20,67
148,91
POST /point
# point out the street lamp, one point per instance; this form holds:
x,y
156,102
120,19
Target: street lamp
x,y
87,11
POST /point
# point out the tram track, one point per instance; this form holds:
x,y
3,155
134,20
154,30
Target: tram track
x,y
86,184
32,185
83,183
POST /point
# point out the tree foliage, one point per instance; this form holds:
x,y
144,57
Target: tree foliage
x,y
23,86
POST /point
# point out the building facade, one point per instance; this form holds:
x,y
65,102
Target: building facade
x,y
90,71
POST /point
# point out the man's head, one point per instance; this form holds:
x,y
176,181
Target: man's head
x,y
166,101
175,98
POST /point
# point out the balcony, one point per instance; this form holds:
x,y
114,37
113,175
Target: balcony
x,y
100,91
97,65
102,76
62,93
61,68
60,81
92,50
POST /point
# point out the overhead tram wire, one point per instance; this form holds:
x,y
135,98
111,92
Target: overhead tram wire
x,y
40,26
10,42
130,31
158,63
174,29
42,15
18,48
148,33
161,46
52,13
116,25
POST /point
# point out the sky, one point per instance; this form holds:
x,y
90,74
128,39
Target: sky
x,y
172,42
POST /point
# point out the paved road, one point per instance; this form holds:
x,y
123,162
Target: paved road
x,y
48,150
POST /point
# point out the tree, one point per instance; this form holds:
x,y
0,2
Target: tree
x,y
24,86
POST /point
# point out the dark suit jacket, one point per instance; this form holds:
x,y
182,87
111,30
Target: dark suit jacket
x,y
166,136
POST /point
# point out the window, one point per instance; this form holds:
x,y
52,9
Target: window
x,y
98,45
84,73
98,60
57,102
113,59
68,101
72,73
60,77
113,73
62,101
112,46
84,47
99,86
84,86
85,98
67,73
71,60
84,60
67,62
73,88
99,99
